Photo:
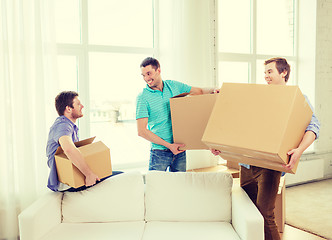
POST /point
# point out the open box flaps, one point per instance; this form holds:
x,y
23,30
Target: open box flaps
x,y
96,155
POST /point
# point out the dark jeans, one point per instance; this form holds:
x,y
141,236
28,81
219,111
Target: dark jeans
x,y
262,185
85,187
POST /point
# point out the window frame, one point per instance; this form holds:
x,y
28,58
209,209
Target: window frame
x,y
81,52
252,57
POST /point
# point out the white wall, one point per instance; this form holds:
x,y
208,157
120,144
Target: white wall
x,y
314,78
323,90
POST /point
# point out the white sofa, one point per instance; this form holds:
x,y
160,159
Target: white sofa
x,y
168,206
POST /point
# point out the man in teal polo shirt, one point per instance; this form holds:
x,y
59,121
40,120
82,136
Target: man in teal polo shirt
x,y
154,117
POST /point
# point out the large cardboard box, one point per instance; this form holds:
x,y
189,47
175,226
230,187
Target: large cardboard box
x,y
96,155
190,114
258,124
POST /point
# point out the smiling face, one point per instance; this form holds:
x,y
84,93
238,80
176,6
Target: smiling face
x,y
272,75
76,110
152,77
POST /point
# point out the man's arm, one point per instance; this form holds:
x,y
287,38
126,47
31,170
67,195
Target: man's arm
x,y
74,155
308,138
199,91
150,136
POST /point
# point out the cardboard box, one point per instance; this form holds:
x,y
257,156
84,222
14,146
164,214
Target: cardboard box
x,y
258,124
190,114
280,210
219,168
234,165
96,155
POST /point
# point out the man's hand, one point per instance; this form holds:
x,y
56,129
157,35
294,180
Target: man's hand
x,y
76,157
175,148
199,91
295,155
150,136
215,152
91,179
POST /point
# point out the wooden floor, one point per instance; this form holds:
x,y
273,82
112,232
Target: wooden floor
x,y
291,233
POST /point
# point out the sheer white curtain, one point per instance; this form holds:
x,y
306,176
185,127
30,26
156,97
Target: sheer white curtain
x,y
186,38
27,90
187,54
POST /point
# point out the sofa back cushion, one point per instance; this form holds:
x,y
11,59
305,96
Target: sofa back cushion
x,y
119,198
184,196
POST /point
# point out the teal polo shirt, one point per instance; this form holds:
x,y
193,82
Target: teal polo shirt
x,y
154,105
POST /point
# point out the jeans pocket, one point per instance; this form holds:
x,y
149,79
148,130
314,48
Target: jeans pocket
x,y
159,160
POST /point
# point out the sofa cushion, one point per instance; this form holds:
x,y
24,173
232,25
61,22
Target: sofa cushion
x,y
98,231
119,198
188,196
189,230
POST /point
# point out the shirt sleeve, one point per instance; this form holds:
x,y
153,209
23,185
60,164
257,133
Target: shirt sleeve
x,y
141,107
182,87
314,124
62,129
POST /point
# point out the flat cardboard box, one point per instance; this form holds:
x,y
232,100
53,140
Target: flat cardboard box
x,y
258,124
96,155
190,114
219,168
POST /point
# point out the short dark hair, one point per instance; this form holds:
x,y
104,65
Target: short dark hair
x,y
281,65
64,99
150,61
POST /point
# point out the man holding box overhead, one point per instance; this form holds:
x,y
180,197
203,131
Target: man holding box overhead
x,y
154,117
262,184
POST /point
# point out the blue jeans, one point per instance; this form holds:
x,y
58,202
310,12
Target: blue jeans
x,y
162,159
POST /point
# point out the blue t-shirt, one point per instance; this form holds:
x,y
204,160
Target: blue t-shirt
x,y
154,105
61,127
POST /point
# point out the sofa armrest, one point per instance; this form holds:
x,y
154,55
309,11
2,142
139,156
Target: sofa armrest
x,y
246,219
40,217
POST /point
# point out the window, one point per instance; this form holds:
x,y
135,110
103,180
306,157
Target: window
x,y
101,44
68,72
234,29
260,29
275,28
252,35
228,68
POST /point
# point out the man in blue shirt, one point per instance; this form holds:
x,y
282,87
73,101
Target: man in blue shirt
x,y
64,133
154,117
262,184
